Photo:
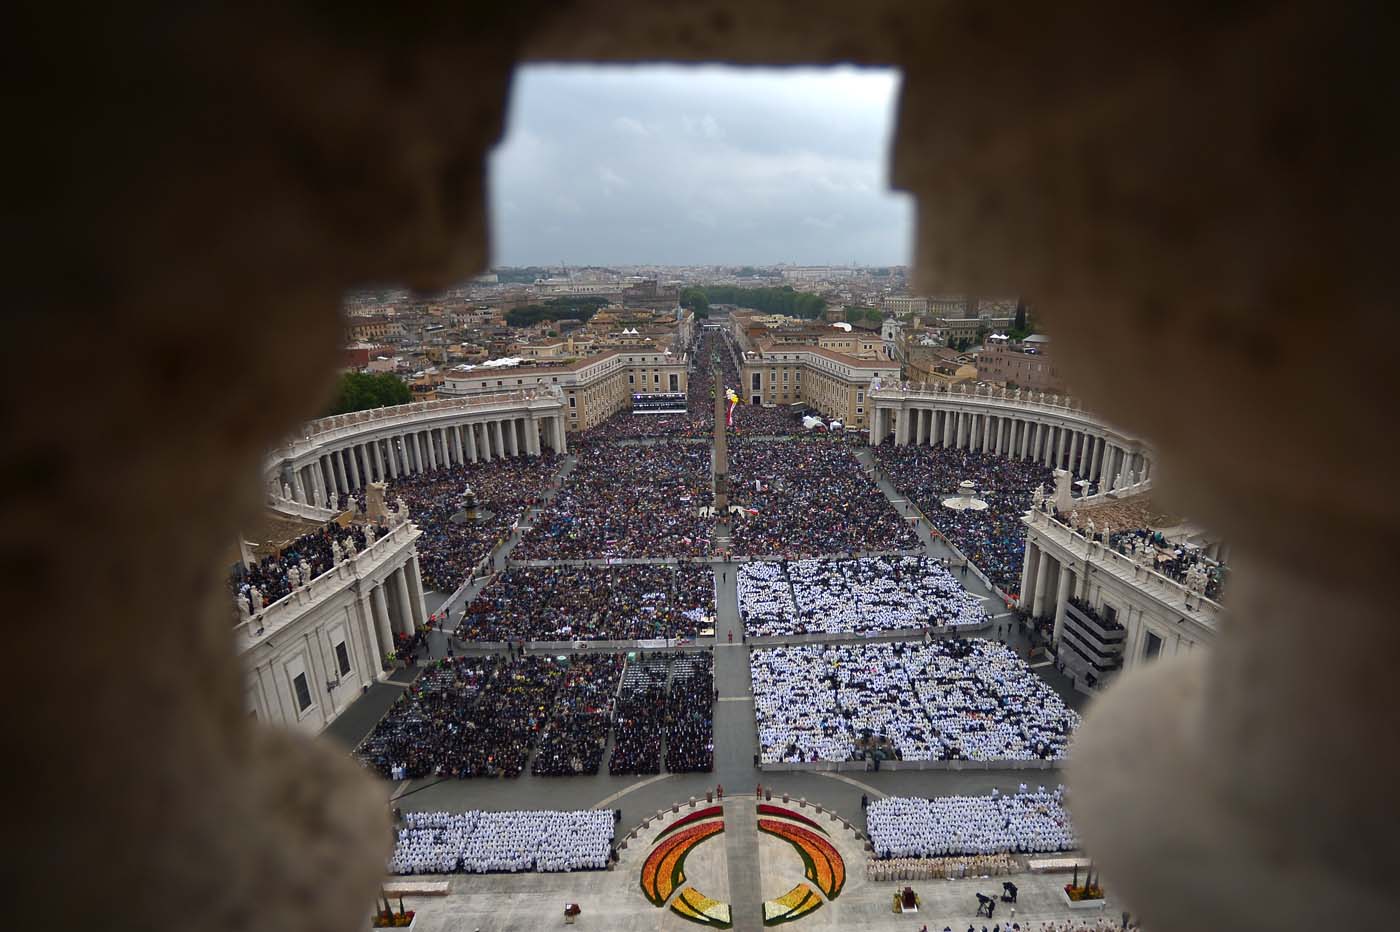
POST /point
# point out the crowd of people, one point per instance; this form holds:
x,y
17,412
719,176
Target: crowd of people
x,y
760,421
504,490
569,603
641,708
670,694
806,497
690,724
949,868
621,501
993,539
466,717
1025,822
577,733
867,594
954,699
479,842
1183,562
311,554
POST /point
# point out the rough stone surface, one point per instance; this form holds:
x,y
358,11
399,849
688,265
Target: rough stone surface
x,y
1197,196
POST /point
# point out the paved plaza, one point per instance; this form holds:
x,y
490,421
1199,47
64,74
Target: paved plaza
x,y
745,864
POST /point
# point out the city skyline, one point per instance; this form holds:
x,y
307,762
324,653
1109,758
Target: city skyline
x,y
670,165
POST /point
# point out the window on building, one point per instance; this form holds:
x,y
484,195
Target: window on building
x,y
631,379
303,692
342,658
573,402
860,396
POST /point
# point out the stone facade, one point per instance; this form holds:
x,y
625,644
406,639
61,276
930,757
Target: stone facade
x,y
1184,190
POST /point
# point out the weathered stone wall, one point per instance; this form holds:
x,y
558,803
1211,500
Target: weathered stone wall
x,y
1198,195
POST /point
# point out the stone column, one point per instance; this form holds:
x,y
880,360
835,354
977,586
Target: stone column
x,y
405,600
1074,452
381,622
1061,600
997,442
430,444
1038,606
919,427
338,473
298,495
362,639
457,444
318,479
355,482
415,588
1060,448
1029,572
561,431
469,436
484,447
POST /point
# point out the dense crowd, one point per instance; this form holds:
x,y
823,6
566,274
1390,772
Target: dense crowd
x,y
952,868
760,421
1024,822
465,717
569,603
665,693
807,497
313,552
481,842
641,707
1182,562
690,726
945,700
993,539
853,596
577,733
504,488
624,501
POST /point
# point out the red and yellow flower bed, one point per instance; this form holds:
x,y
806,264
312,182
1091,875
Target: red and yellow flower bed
x,y
825,866
710,813
794,904
765,809
697,907
662,871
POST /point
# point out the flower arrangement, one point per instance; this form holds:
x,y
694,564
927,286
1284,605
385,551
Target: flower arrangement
x,y
697,907
794,904
662,871
386,918
825,866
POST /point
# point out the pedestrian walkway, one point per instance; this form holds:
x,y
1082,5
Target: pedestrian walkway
x,y
741,851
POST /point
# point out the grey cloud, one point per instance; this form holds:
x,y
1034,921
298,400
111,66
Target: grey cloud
x,y
697,165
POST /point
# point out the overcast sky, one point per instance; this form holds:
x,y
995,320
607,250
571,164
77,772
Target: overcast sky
x,y
681,166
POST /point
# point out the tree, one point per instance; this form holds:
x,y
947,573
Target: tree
x,y
769,300
694,298
360,391
1020,322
